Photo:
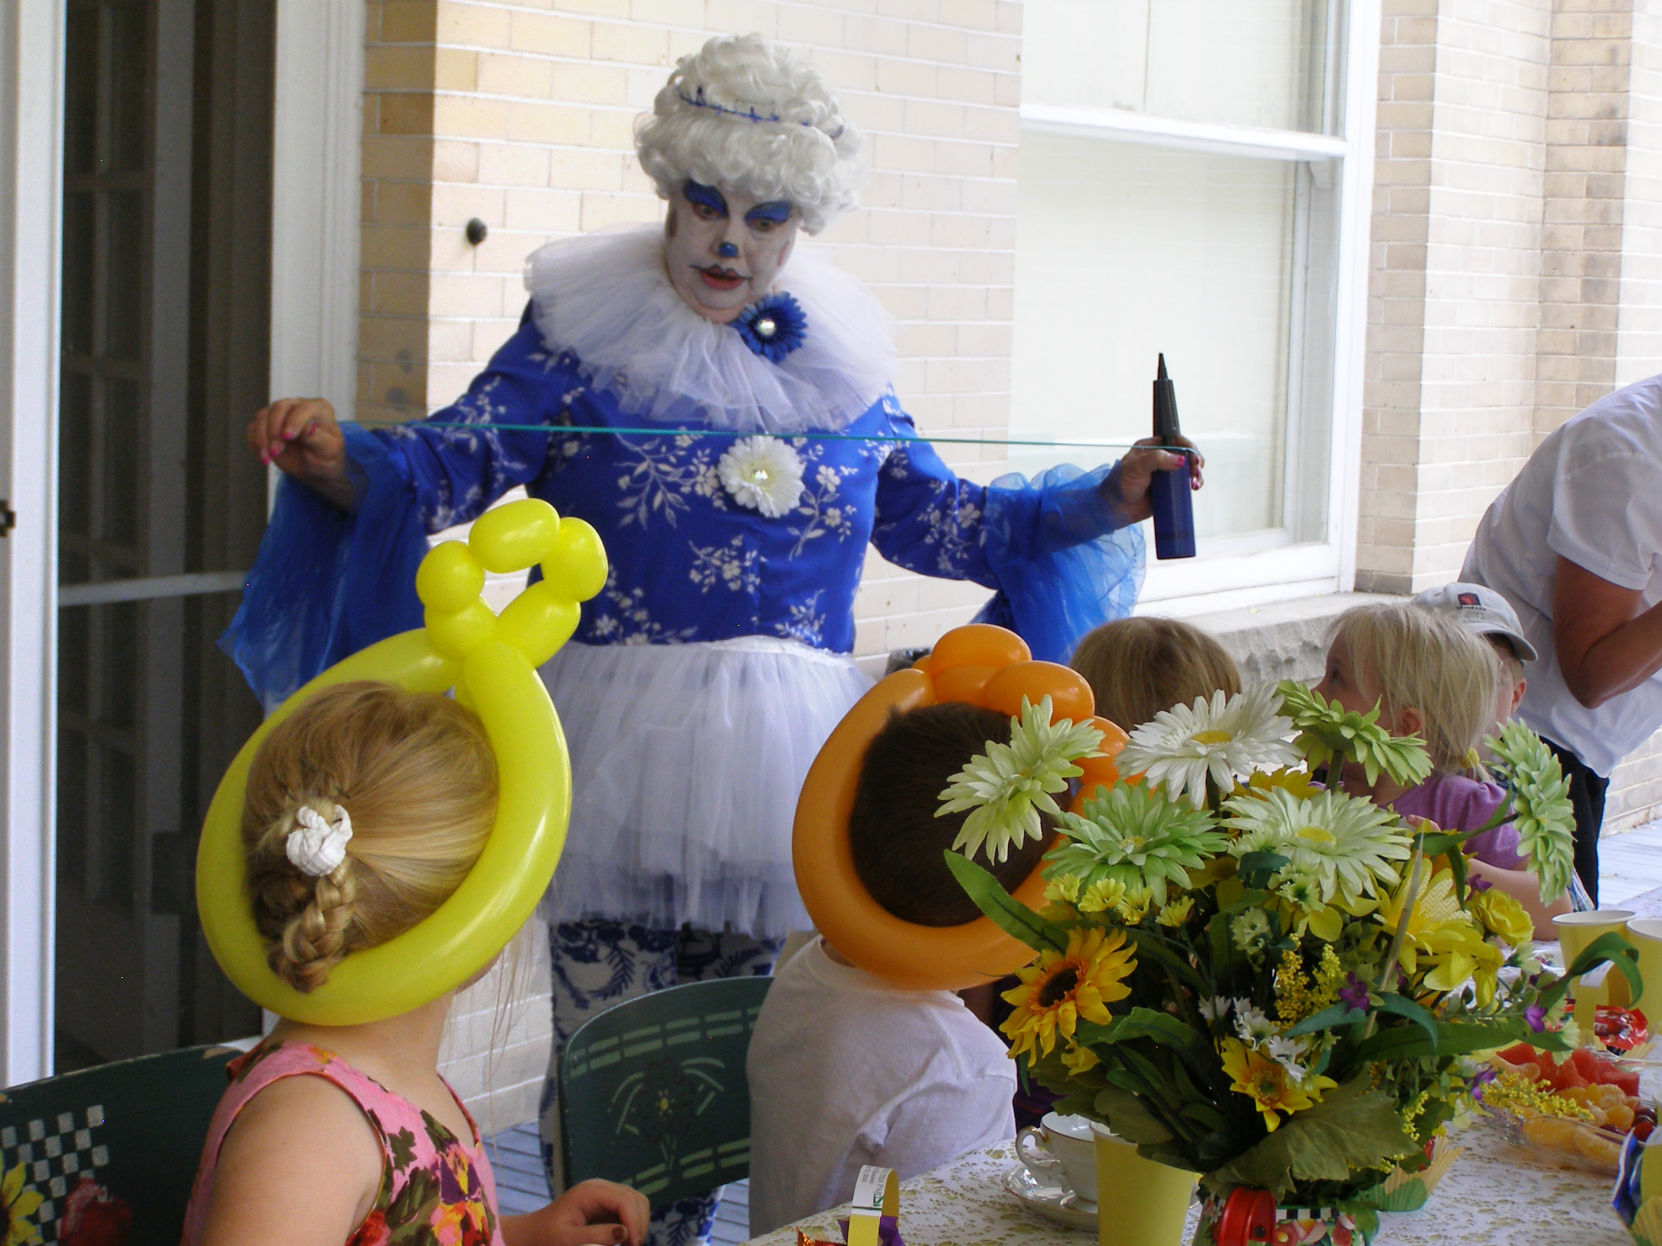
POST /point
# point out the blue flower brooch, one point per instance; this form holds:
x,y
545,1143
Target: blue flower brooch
x,y
773,327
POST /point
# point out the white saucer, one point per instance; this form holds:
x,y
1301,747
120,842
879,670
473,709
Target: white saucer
x,y
1050,1201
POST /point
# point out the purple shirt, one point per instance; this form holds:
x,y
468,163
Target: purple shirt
x,y
1457,803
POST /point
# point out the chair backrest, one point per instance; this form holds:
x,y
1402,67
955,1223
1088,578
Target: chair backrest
x,y
132,1130
652,1091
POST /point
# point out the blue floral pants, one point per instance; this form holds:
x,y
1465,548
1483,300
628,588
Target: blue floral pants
x,y
598,963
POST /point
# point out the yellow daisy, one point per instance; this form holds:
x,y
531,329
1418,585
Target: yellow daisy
x,y
19,1203
1065,986
1269,1083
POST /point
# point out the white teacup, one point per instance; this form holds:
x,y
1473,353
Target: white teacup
x,y
1063,1149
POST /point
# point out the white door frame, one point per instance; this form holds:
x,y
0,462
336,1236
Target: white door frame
x,y
31,183
317,202
315,221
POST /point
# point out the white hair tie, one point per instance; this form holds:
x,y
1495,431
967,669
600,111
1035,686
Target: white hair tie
x,y
317,847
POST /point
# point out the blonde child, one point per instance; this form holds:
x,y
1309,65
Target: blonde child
x,y
1433,678
364,810
1486,614
1140,666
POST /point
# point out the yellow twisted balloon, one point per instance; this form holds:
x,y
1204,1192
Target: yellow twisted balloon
x,y
491,661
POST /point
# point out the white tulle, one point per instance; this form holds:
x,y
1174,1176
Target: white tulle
x,y
686,763
606,297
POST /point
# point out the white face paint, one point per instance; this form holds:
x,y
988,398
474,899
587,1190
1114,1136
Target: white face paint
x,y
724,251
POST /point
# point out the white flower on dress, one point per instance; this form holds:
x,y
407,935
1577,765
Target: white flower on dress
x,y
1223,738
764,474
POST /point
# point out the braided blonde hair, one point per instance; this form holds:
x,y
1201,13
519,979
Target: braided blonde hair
x,y
416,775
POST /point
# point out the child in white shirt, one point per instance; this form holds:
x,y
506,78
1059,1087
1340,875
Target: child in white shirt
x,y
846,1069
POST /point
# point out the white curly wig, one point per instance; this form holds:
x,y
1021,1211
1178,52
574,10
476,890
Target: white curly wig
x,y
747,115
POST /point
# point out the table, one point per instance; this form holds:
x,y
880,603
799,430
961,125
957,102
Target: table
x,y
1494,1195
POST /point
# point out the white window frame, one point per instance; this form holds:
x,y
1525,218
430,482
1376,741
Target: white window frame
x,y
1229,574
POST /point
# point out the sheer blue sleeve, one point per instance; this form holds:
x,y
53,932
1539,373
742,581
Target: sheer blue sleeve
x,y
1048,546
1060,570
328,582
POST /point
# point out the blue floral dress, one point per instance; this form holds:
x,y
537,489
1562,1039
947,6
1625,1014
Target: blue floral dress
x,y
708,671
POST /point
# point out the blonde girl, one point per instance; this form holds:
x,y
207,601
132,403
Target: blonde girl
x,y
364,810
1140,666
1432,678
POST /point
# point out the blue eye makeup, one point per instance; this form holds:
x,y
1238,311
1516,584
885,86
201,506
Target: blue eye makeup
x,y
776,213
704,196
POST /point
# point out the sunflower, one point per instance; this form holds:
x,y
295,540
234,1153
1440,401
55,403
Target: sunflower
x,y
1065,986
1329,732
19,1202
1541,808
1219,739
1131,834
1007,787
1345,844
1270,1084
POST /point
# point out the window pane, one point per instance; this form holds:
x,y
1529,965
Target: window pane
x,y
1242,62
1125,251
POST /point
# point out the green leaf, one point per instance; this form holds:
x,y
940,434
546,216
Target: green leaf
x,y
1007,913
1402,1043
1124,1113
1255,869
1334,1014
1402,1006
1607,947
1352,1129
1163,1028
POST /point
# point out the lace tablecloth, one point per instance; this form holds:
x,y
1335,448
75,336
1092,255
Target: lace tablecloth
x,y
1494,1195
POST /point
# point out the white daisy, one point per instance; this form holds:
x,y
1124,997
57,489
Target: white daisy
x,y
1342,843
1286,1052
1252,1024
1223,738
1008,786
764,474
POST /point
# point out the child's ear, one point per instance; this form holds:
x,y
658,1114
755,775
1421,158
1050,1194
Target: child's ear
x,y
1409,721
1518,694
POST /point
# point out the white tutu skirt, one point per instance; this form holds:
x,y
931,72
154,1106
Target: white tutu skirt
x,y
686,763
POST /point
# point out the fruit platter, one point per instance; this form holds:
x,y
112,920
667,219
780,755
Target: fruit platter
x,y
1575,1109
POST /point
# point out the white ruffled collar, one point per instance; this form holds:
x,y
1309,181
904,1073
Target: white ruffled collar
x,y
606,297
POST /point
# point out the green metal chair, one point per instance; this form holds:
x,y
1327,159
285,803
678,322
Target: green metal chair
x,y
652,1091
133,1130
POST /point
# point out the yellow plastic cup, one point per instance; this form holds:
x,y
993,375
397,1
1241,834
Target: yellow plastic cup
x,y
1645,933
1575,932
1139,1202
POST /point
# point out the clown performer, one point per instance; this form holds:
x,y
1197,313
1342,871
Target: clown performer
x,y
720,409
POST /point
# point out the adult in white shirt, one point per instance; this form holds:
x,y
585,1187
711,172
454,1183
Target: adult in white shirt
x,y
1575,544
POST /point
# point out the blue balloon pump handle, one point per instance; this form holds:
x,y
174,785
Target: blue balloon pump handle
x,y
1169,493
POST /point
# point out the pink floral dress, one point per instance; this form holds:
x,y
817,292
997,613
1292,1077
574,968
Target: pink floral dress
x,y
436,1190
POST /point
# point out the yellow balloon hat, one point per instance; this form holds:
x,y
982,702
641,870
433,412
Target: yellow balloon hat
x,y
491,661
980,665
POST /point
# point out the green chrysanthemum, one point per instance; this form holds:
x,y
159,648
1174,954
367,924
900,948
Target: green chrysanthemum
x,y
1541,808
1343,844
1133,835
1327,732
1008,786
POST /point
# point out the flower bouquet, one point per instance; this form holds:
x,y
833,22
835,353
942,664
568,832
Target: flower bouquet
x,y
1249,973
